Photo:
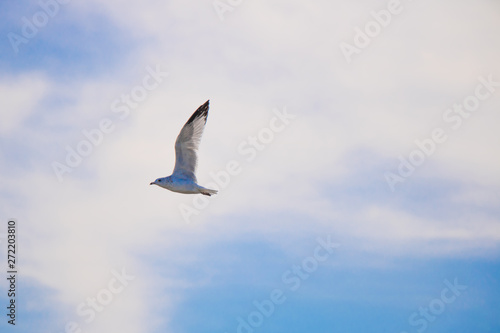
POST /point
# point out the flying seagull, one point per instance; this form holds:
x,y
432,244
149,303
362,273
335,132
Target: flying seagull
x,y
183,178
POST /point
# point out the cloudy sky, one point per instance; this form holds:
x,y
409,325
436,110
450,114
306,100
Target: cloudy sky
x,y
354,145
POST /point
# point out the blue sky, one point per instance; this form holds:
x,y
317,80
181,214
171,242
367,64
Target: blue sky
x,y
389,151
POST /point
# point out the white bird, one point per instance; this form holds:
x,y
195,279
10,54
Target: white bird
x,y
183,178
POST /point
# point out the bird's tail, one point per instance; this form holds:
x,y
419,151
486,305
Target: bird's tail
x,y
207,191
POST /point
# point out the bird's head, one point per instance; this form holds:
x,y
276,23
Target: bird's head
x,y
156,182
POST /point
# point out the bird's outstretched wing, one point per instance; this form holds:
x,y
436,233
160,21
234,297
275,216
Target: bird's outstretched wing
x,y
187,143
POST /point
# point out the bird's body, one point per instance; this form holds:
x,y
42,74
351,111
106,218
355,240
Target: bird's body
x,y
182,185
183,178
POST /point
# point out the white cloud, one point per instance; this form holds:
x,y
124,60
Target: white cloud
x,y
265,55
20,95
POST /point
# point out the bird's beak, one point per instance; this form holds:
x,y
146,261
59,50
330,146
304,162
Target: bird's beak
x,y
151,183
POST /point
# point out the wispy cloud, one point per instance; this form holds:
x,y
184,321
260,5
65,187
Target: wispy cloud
x,y
323,174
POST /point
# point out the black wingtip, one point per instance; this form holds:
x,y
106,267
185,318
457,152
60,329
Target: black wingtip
x,y
202,111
